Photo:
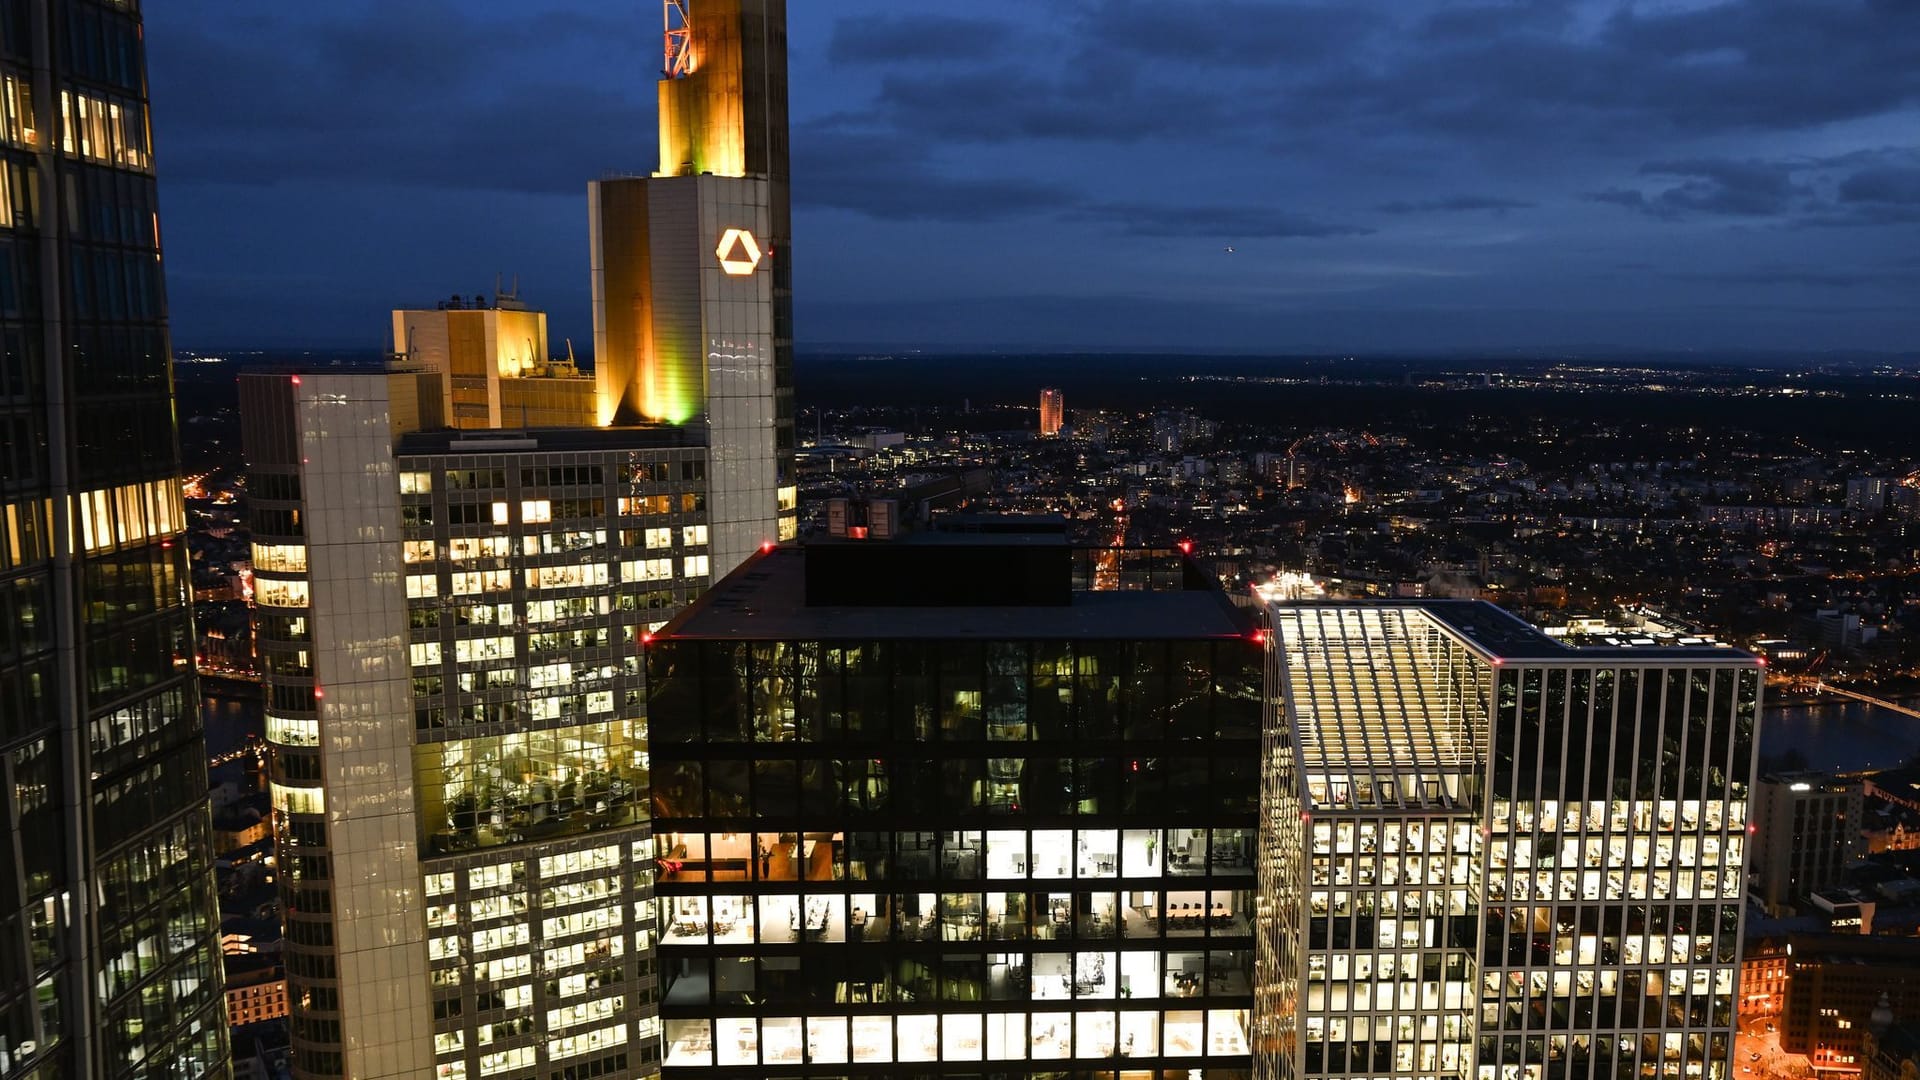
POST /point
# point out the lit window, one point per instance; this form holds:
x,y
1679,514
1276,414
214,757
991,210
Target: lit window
x,y
288,731
536,511
692,535
288,594
646,570
280,558
298,800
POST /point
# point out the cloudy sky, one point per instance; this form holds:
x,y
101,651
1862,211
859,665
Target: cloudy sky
x,y
1388,174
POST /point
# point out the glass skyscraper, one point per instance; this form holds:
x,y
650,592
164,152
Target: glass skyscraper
x,y
924,807
1490,855
109,949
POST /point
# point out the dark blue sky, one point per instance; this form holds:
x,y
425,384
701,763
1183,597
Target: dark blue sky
x,y
1390,174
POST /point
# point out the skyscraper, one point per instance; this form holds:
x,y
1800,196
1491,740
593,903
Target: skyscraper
x,y
1053,412
937,805
109,948
450,627
1490,855
692,269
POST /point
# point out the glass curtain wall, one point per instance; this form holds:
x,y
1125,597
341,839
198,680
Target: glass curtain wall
x,y
885,852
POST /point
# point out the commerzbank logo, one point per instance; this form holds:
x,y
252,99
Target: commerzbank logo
x,y
739,252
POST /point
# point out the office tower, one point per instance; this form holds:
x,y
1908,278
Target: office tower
x,y
1053,412
449,625
934,806
109,946
1492,855
692,274
495,359
1806,833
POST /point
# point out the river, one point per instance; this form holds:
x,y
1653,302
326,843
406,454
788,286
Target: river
x,y
231,711
1837,735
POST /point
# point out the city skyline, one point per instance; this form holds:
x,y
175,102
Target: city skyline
x,y
1542,175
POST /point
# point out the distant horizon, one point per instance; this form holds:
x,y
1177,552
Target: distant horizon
x,y
1516,353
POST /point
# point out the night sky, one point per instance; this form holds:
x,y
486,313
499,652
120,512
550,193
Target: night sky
x,y
1390,175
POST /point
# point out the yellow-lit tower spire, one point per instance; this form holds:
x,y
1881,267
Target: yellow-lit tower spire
x,y
692,282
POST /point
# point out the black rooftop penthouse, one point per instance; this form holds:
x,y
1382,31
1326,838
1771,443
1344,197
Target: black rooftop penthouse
x,y
979,583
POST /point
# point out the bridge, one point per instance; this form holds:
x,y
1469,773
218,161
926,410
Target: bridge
x,y
1823,688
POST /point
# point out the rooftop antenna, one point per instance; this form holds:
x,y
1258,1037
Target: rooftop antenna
x,y
678,39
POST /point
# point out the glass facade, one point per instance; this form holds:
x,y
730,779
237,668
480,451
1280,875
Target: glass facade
x,y
1488,865
908,855
109,949
520,582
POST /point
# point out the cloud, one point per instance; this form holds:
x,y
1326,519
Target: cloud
x,y
893,179
1862,188
1777,276
1883,184
1226,222
430,95
1455,204
1717,187
1225,34
916,38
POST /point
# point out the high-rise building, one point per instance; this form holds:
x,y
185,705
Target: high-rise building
x,y
109,948
692,269
1492,855
936,806
1807,830
450,626
1053,412
495,358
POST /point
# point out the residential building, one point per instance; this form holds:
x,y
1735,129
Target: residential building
x,y
1492,855
954,804
109,929
1807,830
1053,411
449,631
